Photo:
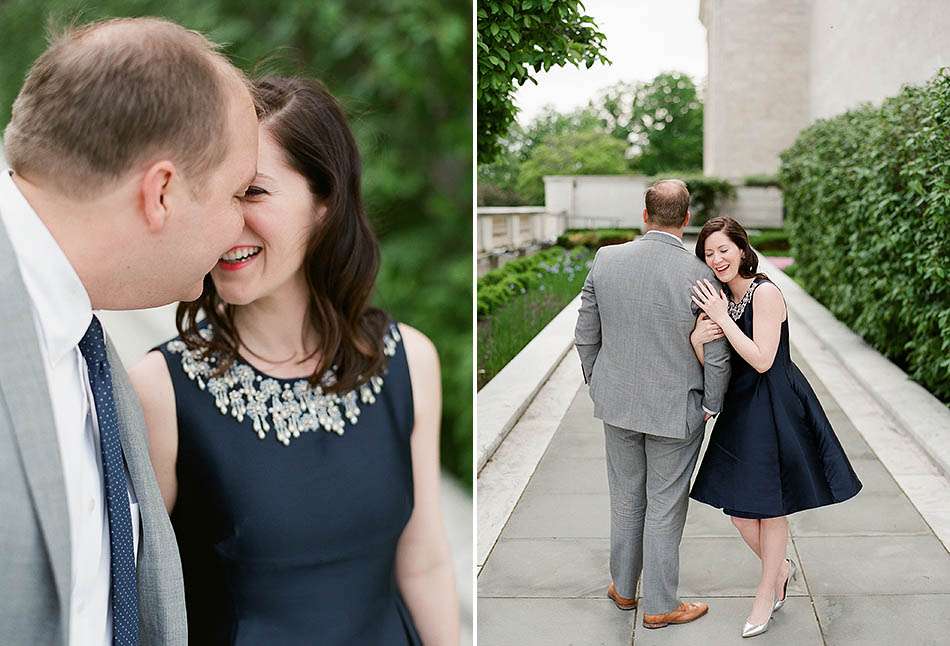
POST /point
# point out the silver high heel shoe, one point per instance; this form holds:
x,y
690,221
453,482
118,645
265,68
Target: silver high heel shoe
x,y
792,574
751,630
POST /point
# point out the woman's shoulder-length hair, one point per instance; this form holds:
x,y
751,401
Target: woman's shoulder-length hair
x,y
342,256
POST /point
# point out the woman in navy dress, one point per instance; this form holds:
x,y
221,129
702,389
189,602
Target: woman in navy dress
x,y
772,451
294,429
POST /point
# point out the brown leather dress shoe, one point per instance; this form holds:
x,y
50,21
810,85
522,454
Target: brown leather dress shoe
x,y
621,602
686,612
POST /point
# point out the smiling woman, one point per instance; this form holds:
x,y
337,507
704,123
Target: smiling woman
x,y
292,348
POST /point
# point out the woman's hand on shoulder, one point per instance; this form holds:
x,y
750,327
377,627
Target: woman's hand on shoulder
x,y
153,384
711,299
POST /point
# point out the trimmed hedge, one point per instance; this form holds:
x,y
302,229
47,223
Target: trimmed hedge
x,y
706,196
771,242
867,195
595,238
762,181
499,286
707,193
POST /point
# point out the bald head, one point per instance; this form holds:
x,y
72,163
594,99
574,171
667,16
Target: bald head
x,y
667,202
109,96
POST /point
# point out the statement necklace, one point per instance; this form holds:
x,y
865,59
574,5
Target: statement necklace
x,y
290,409
736,309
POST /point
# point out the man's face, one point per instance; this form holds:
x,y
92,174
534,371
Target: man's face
x,y
213,216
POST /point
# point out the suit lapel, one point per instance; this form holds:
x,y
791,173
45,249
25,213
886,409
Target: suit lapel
x,y
25,389
160,585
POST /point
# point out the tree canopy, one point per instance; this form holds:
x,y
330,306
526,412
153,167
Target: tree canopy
x,y
643,127
576,153
517,38
661,120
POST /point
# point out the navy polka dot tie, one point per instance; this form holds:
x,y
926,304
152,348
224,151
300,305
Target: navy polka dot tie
x,y
124,591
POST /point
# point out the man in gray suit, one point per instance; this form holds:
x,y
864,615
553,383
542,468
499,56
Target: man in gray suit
x,y
653,396
131,143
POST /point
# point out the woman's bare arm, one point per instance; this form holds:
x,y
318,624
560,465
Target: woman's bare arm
x,y
153,383
424,570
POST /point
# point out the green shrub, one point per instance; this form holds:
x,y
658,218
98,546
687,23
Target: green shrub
x,y
595,238
762,180
492,195
771,241
867,195
500,286
706,193
589,152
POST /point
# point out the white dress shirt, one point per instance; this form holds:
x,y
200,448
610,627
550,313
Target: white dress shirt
x,y
62,313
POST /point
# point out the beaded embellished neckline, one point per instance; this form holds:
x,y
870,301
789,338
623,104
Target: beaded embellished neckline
x,y
289,408
736,309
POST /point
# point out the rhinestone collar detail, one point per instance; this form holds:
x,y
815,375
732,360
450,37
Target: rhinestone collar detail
x,y
736,309
289,408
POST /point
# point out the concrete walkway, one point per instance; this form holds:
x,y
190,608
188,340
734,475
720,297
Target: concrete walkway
x,y
874,571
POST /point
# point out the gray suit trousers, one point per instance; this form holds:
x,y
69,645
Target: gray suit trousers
x,y
649,477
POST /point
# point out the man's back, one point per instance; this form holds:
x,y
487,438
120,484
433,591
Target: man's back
x,y
633,338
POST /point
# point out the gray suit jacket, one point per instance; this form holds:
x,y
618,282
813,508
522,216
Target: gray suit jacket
x,y
632,335
35,562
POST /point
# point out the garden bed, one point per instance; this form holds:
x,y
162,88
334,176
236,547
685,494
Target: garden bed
x,y
517,300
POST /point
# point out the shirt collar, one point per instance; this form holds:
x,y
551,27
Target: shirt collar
x,y
60,301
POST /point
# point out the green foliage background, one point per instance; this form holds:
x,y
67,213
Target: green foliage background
x,y
661,119
402,68
575,153
867,195
645,127
595,238
516,38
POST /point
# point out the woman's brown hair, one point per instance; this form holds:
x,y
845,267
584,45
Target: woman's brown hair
x,y
342,257
738,235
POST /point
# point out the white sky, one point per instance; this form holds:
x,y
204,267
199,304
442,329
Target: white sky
x,y
644,38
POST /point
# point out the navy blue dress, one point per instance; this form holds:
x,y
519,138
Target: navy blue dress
x,y
772,451
290,504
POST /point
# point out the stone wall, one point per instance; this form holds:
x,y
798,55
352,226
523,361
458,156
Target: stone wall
x,y
757,83
866,51
506,228
756,207
775,67
599,201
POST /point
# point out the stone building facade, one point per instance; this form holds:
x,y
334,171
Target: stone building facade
x,y
776,66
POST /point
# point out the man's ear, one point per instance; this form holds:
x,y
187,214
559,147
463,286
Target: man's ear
x,y
646,217
156,186
689,216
